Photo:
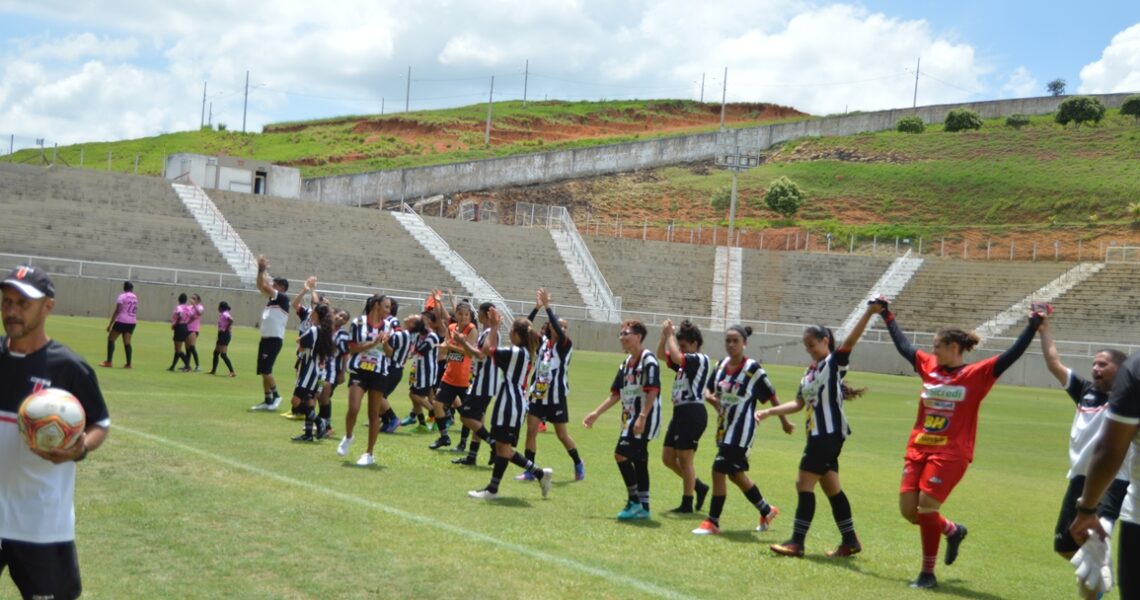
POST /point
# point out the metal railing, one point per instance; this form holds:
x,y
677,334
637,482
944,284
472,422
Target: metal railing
x,y
200,197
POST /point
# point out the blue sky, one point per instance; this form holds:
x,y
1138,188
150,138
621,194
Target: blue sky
x,y
105,70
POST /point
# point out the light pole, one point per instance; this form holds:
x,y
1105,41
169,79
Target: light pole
x,y
735,156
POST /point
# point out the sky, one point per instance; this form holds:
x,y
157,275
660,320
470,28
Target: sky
x,y
100,70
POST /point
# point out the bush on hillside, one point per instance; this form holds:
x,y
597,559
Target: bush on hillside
x,y
1017,121
961,119
721,199
1131,107
911,125
1080,109
784,197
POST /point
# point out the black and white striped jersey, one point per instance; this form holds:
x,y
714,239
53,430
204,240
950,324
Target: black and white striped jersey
x,y
340,348
550,386
738,392
821,389
425,365
514,362
692,377
636,378
311,370
400,341
373,359
484,375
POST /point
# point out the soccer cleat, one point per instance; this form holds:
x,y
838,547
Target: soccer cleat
x,y
952,543
127,366
342,447
681,510
322,429
627,513
548,479
105,363
524,476
305,437
292,416
579,471
212,373
766,522
232,374
440,442
483,494
460,447
197,370
409,420
263,407
707,528
365,460
845,550
925,581
463,460
421,428
276,402
184,370
788,548
542,426
392,426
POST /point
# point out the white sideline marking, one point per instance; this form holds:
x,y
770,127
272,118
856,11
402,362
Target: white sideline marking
x,y
606,574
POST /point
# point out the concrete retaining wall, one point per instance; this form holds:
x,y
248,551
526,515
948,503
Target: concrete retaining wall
x,y
413,183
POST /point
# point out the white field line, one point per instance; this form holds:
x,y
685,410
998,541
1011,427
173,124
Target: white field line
x,y
616,578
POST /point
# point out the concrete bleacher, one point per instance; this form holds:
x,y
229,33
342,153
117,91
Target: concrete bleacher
x,y
516,261
98,216
1104,308
657,277
336,243
800,287
965,294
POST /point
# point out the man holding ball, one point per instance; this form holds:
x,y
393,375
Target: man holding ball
x,y
37,488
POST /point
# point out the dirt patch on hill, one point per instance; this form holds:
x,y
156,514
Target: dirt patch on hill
x,y
806,152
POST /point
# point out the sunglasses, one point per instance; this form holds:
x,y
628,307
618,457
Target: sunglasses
x,y
624,333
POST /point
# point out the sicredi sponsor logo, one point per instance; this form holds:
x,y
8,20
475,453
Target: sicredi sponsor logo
x,y
947,393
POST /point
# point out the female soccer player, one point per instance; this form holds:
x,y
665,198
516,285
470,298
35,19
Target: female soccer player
x,y
457,373
506,418
178,320
682,352
123,321
823,391
225,334
637,386
334,370
315,348
941,443
738,385
550,386
366,370
484,385
195,310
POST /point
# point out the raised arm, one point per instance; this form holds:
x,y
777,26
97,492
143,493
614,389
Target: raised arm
x,y
667,345
856,332
1049,351
310,285
264,282
1010,356
903,345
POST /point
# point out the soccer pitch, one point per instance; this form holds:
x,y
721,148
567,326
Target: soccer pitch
x,y
193,496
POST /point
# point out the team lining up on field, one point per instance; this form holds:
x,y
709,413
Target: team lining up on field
x,y
458,367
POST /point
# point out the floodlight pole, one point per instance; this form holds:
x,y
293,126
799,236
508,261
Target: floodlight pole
x,y
203,121
916,67
723,96
732,208
490,103
408,90
246,103
526,80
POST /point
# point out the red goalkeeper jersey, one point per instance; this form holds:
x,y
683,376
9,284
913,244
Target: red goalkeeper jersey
x,y
947,420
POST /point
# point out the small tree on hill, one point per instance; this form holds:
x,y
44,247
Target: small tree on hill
x,y
1131,107
784,197
1080,109
1017,121
961,119
1056,87
721,199
911,125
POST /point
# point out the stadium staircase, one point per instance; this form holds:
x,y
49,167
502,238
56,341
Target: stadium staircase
x,y
889,285
726,289
584,271
228,242
1049,292
463,272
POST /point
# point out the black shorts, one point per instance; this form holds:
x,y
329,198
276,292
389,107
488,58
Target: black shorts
x,y
118,327
304,394
391,381
1109,508
267,351
686,427
505,434
730,460
447,393
474,407
181,332
42,570
366,380
821,455
551,413
632,448
418,391
224,338
1127,559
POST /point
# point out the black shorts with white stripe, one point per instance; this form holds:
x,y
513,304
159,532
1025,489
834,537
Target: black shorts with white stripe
x,y
366,380
505,434
730,459
686,427
551,413
821,454
632,448
474,407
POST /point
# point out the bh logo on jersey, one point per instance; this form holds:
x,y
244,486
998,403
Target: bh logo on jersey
x,y
936,423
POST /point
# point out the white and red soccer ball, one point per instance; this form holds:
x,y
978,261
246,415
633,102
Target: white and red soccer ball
x,y
51,418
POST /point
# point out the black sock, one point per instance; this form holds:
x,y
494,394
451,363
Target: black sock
x,y
642,469
573,452
483,434
422,419
325,411
185,359
214,364
310,417
193,352
110,350
473,450
530,454
268,397
716,507
702,490
174,362
500,467
127,350
686,504
757,499
629,476
464,434
390,415
273,391
805,512
527,465
841,510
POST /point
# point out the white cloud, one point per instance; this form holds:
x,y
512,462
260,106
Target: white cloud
x,y
1021,84
469,49
1118,69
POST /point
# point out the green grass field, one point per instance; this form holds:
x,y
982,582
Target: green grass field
x,y
193,496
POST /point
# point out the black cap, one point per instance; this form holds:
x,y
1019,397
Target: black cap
x,y
30,281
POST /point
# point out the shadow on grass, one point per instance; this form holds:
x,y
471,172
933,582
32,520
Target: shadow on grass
x,y
506,502
951,587
351,464
739,536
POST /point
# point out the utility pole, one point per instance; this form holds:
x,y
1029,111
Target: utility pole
x,y
203,121
11,146
381,106
526,79
408,90
723,96
246,103
490,102
210,119
702,87
915,105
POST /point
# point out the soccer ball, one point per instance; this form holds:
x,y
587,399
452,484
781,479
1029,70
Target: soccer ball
x,y
51,418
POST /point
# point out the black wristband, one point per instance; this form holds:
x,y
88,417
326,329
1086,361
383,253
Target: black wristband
x,y
82,455
1085,510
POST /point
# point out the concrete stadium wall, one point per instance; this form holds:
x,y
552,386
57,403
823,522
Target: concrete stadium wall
x,y
412,183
